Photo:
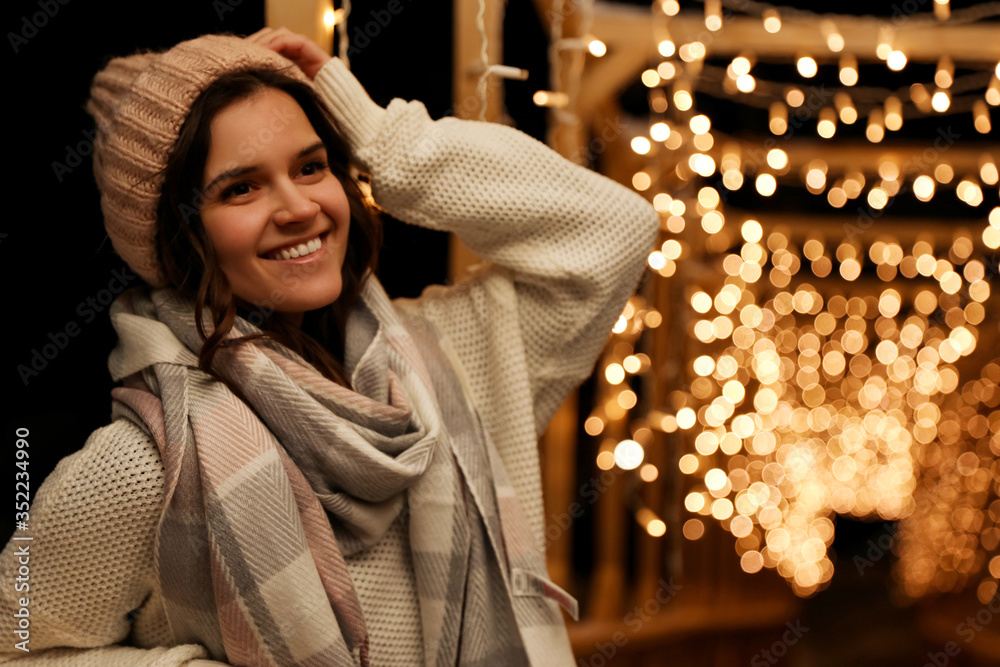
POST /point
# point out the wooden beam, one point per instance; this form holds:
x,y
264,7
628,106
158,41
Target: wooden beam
x,y
629,33
906,230
558,444
913,157
622,26
466,67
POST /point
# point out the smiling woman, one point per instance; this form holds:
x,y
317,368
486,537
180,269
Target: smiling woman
x,y
300,470
283,211
257,175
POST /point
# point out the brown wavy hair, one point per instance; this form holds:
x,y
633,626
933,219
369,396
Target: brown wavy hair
x,y
188,258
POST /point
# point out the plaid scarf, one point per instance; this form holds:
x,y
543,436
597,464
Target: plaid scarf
x,y
267,491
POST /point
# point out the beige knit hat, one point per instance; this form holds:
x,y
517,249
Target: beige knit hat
x,y
139,104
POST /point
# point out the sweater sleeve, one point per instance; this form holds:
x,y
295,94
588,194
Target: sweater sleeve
x,y
88,564
565,245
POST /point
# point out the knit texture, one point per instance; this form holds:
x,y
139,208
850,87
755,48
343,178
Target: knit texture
x,y
564,248
139,104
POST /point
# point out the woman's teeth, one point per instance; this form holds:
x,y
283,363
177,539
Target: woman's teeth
x,y
301,250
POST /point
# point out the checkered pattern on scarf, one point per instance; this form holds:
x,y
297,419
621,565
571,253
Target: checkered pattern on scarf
x,y
267,490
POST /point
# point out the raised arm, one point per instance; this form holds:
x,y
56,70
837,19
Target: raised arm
x,y
566,245
89,563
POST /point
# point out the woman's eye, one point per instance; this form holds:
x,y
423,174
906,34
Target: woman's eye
x,y
236,190
313,167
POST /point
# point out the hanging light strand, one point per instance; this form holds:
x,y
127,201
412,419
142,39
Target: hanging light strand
x,y
486,69
343,40
964,15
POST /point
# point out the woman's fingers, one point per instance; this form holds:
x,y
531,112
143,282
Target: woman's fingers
x,y
259,36
307,54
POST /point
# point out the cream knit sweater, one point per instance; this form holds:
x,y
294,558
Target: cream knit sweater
x,y
564,246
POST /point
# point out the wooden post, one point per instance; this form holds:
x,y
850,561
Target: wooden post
x,y
559,442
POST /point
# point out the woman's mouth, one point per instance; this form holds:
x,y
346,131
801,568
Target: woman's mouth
x,y
301,250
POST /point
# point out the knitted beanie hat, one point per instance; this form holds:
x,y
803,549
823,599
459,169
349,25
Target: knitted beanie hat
x,y
139,103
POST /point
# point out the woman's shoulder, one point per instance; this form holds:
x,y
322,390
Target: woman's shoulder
x,y
127,442
119,461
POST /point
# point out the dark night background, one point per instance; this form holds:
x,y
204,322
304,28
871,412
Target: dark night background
x,y
55,255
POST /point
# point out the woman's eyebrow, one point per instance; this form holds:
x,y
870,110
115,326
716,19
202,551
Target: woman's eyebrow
x,y
312,149
231,173
242,171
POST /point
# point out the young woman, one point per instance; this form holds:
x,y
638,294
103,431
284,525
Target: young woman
x,y
301,471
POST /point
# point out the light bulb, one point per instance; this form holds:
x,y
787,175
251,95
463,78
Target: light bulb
x,y
944,173
682,96
920,97
988,172
923,187
875,131
845,108
945,74
896,60
641,145
741,65
993,91
941,101
548,98
834,40
766,184
893,113
981,116
692,52
884,48
848,70
713,14
807,66
745,83
772,20
826,127
659,131
815,180
778,118
700,124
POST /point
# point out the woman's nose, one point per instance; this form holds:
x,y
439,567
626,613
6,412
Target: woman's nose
x,y
292,205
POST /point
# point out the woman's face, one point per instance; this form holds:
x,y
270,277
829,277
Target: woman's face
x,y
276,216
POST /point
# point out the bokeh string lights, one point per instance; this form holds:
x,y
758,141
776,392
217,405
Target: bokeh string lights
x,y
954,530
833,362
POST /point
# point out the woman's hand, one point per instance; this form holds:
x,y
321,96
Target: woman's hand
x,y
307,54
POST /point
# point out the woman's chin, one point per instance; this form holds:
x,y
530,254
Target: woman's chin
x,y
297,305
